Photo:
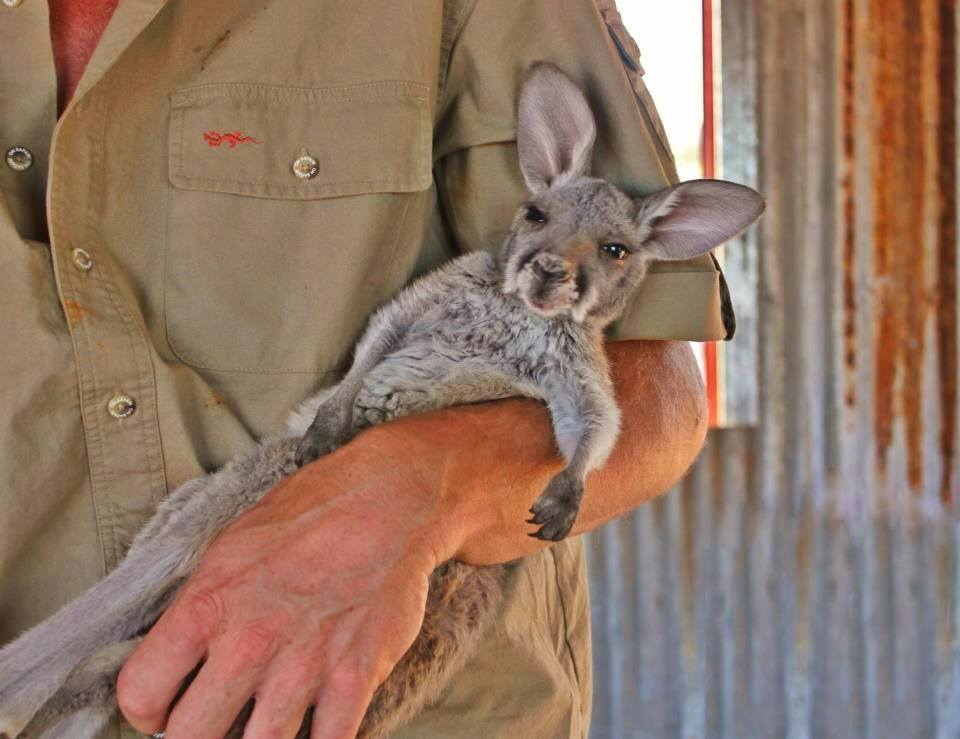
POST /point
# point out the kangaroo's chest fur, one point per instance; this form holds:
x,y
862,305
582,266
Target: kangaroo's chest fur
x,y
471,343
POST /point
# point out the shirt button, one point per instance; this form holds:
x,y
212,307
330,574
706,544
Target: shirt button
x,y
305,167
19,158
81,259
121,406
12,3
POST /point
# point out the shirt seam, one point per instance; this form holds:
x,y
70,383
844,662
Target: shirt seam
x,y
184,96
140,343
90,425
455,25
295,188
566,633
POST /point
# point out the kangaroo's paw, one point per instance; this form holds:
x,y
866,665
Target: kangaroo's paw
x,y
557,508
37,666
9,727
24,692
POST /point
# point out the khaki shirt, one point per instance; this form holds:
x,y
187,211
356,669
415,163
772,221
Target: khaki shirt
x,y
170,287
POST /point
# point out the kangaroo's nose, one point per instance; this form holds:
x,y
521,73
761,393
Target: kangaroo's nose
x,y
549,271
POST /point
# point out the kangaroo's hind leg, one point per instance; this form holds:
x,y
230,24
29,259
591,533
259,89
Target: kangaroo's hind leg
x,y
87,698
36,666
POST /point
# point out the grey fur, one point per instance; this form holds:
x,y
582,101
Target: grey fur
x,y
529,323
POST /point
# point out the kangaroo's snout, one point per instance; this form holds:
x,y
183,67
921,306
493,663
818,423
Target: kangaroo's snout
x,y
550,267
547,283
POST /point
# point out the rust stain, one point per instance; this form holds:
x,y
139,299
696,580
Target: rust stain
x,y
214,401
883,147
901,98
848,73
221,39
74,312
946,305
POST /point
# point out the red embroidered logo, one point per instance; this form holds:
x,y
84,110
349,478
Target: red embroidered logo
x,y
215,138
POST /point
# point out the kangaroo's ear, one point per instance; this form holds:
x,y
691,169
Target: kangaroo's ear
x,y
692,218
555,128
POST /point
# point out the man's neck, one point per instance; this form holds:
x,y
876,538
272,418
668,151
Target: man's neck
x,y
75,29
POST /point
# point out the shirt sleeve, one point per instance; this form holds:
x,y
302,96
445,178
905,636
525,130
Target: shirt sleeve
x,y
477,174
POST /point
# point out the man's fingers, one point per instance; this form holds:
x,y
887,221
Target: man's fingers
x,y
282,700
152,676
379,642
224,684
342,703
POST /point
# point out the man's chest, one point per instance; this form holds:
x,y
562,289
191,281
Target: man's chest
x,y
246,171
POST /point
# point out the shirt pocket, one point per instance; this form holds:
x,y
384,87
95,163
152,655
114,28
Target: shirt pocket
x,y
287,214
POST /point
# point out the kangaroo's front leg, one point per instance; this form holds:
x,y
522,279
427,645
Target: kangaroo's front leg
x,y
333,425
586,421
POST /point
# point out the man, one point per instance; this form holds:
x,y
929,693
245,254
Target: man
x,y
230,189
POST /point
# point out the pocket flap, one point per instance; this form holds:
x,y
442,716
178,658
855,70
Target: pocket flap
x,y
629,54
245,138
629,51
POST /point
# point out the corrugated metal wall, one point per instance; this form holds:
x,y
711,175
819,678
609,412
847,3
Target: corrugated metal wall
x,y
803,580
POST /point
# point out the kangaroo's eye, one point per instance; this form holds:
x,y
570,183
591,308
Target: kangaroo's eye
x,y
616,251
535,215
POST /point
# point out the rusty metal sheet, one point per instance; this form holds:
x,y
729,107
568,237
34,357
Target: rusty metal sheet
x,y
803,581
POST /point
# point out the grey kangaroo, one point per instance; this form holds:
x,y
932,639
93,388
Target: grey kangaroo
x,y
528,323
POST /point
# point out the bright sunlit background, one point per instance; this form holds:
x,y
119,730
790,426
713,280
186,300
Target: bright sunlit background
x,y
671,52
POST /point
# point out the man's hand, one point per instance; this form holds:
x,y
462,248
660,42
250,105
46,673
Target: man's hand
x,y
310,598
313,596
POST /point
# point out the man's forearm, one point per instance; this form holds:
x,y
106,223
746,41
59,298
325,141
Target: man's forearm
x,y
487,463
